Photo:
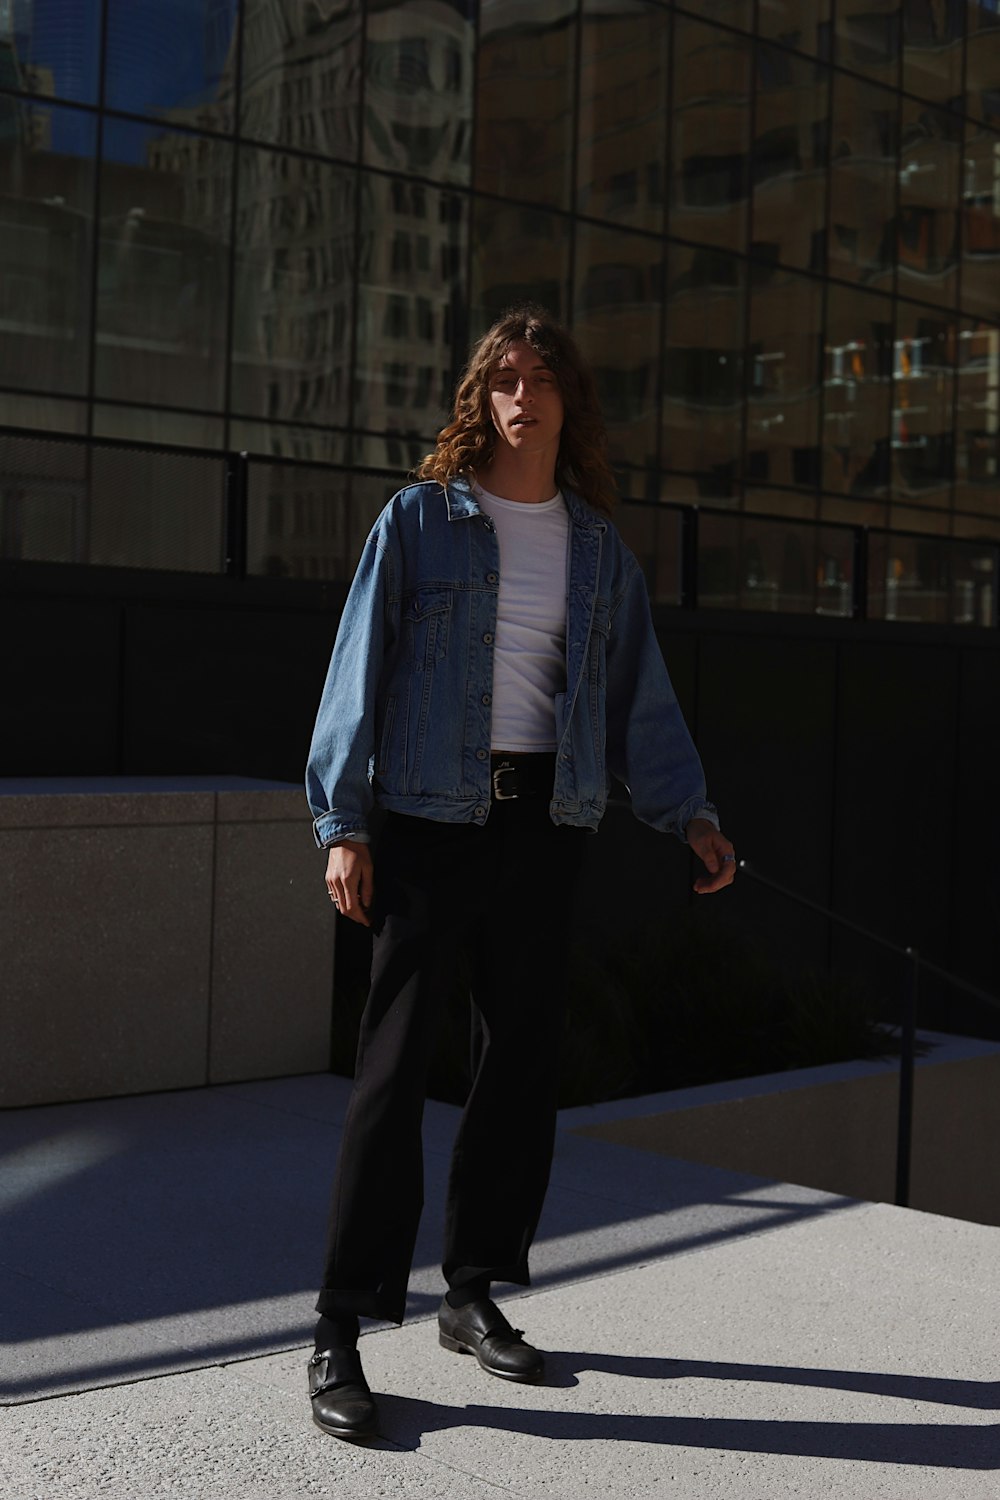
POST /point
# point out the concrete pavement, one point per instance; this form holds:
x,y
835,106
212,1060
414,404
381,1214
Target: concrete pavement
x,y
708,1333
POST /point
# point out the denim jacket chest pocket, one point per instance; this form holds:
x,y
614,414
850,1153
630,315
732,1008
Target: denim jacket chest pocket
x,y
426,618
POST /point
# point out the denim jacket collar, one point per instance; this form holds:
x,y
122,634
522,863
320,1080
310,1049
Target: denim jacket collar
x,y
462,503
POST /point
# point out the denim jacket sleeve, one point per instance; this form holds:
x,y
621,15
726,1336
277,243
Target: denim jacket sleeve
x,y
648,743
338,774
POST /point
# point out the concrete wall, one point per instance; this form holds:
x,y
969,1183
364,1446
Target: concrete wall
x,y
158,933
835,1128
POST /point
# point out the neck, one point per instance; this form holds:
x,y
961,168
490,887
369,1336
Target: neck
x,y
528,477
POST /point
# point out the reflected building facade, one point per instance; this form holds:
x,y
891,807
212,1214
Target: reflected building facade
x,y
773,226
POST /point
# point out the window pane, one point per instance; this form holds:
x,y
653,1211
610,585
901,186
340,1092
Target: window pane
x,y
163,266
930,162
982,67
802,24
418,86
791,133
55,49
617,323
745,562
307,522
785,358
154,424
977,453
981,221
932,51
868,38
525,100
518,255
411,294
922,441
173,58
710,135
931,579
320,445
623,84
653,532
301,87
863,182
292,307
46,230
703,366
857,392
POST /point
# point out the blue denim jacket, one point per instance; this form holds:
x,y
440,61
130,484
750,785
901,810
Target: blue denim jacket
x,y
404,720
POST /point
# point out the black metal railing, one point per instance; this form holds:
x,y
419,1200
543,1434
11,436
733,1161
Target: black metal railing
x,y
913,963
117,502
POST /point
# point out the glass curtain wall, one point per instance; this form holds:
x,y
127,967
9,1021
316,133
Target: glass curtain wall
x,y
276,226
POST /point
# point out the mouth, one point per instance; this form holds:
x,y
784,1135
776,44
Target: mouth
x,y
524,421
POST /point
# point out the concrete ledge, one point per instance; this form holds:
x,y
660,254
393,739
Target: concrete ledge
x,y
834,1128
158,933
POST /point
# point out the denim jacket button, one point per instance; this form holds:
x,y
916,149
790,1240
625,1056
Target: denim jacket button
x,y
491,578
488,639
480,812
482,755
487,699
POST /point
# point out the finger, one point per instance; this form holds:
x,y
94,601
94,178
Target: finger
x,y
350,903
723,873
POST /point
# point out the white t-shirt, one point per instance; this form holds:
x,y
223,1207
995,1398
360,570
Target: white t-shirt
x,y
529,665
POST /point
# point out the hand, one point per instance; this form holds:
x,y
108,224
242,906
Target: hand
x,y
350,880
716,854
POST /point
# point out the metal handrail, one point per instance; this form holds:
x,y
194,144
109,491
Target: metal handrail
x,y
908,1020
235,468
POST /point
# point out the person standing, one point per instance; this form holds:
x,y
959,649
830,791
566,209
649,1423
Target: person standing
x,y
495,664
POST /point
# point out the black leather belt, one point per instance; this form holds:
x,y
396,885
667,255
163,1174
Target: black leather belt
x,y
531,774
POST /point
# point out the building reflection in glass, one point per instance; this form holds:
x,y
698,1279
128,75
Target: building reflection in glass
x,y
710,135
790,147
524,109
301,75
46,235
929,178
785,361
624,77
923,375
857,378
703,367
282,221
863,170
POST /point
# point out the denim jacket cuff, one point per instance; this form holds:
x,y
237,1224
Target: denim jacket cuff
x,y
696,807
329,830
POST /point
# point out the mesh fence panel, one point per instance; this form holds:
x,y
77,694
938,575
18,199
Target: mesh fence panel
x,y
117,507
308,522
153,508
43,499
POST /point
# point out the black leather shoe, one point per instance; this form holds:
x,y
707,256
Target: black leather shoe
x,y
342,1404
480,1328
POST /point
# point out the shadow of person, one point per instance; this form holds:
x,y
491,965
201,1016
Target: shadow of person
x,y
564,1366
407,1422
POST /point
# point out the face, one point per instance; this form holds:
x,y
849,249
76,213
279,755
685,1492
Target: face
x,y
526,403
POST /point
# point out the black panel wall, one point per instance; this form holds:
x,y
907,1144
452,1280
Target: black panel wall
x,y
855,763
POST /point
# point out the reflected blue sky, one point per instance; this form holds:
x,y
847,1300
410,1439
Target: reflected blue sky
x,y
162,56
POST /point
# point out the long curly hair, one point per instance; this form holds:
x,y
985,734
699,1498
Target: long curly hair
x,y
467,442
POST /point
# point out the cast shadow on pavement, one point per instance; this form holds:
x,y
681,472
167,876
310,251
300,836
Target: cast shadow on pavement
x,y
563,1367
406,1421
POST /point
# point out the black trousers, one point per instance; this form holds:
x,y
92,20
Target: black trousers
x,y
504,893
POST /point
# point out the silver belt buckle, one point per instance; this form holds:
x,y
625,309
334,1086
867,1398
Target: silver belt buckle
x,y
499,795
